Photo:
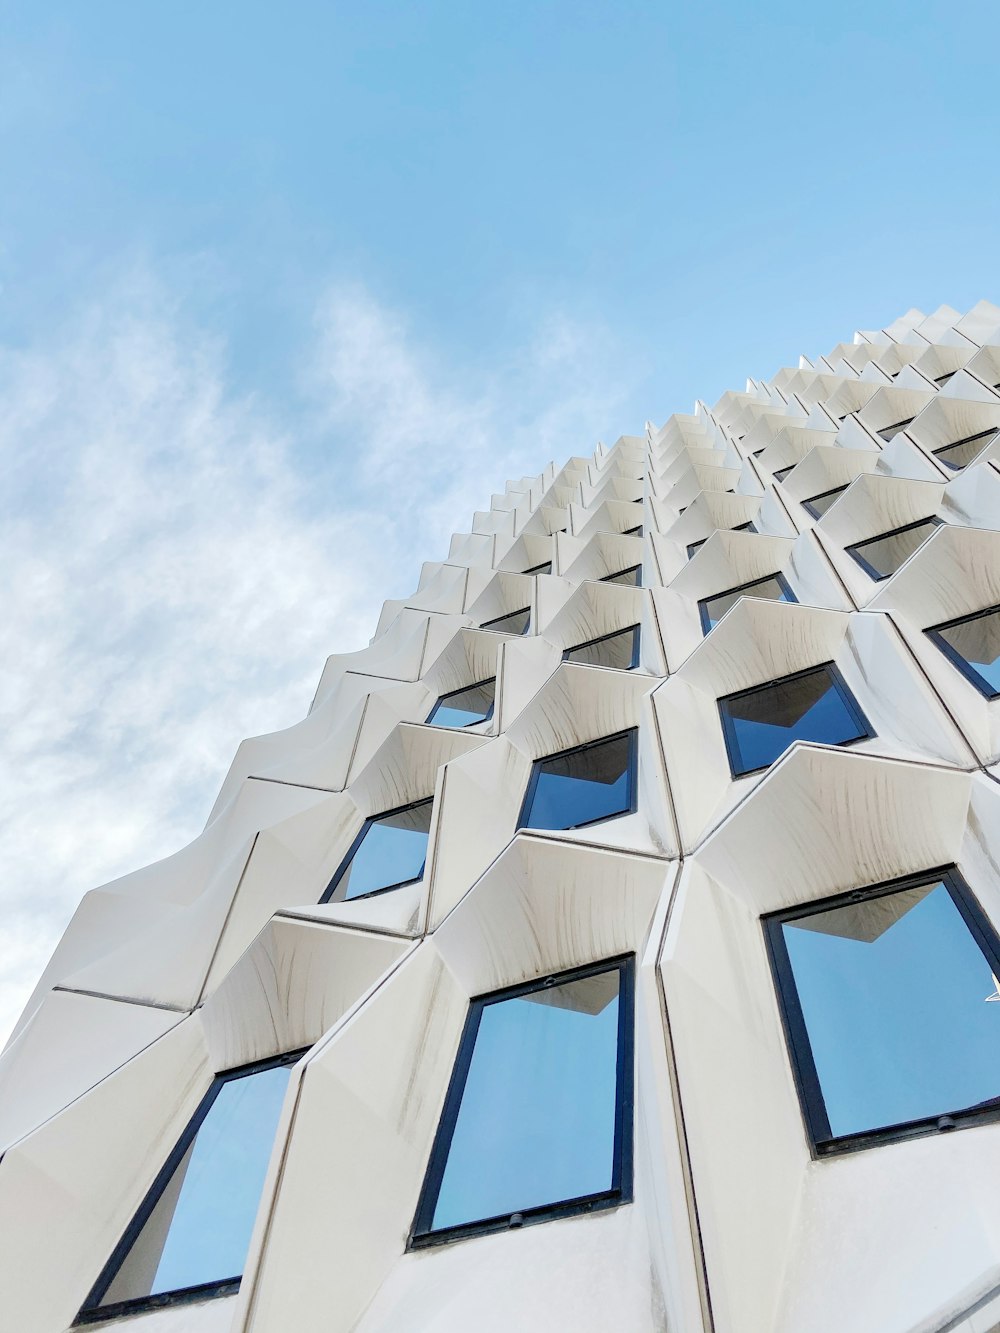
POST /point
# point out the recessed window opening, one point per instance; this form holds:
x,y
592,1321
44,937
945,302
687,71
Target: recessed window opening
x,y
537,1122
972,643
961,452
746,527
694,546
630,578
773,587
514,622
885,995
544,568
633,532
465,707
189,1238
783,472
759,724
390,851
943,379
889,432
582,786
817,505
881,556
618,650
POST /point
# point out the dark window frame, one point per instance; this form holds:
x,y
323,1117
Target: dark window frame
x,y
870,570
521,610
822,1142
897,427
781,473
807,504
847,698
629,569
421,1233
545,567
955,657
703,614
476,684
633,532
984,435
92,1313
338,874
633,780
696,546
601,638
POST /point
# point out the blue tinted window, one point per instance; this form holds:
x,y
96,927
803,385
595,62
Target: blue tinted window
x,y
773,588
973,644
464,708
619,651
583,785
538,1115
515,622
194,1228
389,851
813,705
888,1003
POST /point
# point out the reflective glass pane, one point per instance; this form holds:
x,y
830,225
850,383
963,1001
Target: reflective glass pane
x,y
199,1230
516,622
817,505
782,472
632,578
619,651
694,546
885,554
974,645
774,589
962,452
761,724
392,851
581,786
887,432
895,996
463,708
545,568
536,1122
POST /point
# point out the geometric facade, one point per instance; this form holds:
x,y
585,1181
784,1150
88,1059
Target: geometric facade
x,y
615,943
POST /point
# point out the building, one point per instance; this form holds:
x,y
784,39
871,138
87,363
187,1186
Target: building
x,y
612,946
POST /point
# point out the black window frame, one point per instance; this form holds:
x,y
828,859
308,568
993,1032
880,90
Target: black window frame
x,y
984,435
869,569
634,532
955,657
601,638
703,614
92,1313
847,698
331,888
896,427
696,546
629,569
476,684
807,504
544,568
422,1235
633,780
822,1142
781,473
521,610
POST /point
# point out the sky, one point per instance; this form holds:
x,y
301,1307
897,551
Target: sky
x,y
287,291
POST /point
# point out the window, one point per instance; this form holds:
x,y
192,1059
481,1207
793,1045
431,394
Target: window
x,y
881,556
631,577
888,432
544,568
959,454
190,1236
583,785
633,532
466,707
972,643
712,609
514,622
746,527
943,379
759,724
619,650
817,505
390,851
537,1122
782,472
885,997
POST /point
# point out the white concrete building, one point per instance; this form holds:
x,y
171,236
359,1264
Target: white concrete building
x,y
612,947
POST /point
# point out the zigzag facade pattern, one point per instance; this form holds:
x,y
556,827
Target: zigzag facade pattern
x,y
227,954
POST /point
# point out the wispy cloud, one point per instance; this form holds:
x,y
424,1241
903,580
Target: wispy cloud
x,y
175,573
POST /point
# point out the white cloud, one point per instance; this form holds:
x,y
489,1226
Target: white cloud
x,y
177,565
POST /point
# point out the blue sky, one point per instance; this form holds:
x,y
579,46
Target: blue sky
x,y
259,263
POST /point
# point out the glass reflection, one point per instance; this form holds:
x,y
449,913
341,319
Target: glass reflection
x,y
581,786
961,453
773,588
813,705
817,505
389,852
199,1228
464,708
889,432
973,644
882,556
893,991
535,1125
516,622
544,568
620,650
631,578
